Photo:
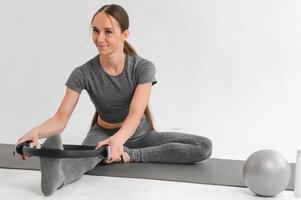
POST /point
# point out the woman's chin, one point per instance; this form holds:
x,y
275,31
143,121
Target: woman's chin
x,y
104,53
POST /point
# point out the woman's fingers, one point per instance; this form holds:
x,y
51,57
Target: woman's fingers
x,y
114,155
109,158
20,140
35,142
102,143
23,139
23,157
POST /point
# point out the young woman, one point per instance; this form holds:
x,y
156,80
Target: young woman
x,y
119,84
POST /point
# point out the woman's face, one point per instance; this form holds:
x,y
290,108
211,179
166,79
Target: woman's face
x,y
107,35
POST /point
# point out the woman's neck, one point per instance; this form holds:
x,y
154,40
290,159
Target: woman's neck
x,y
113,63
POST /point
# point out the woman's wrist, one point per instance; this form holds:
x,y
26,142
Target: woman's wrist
x,y
120,138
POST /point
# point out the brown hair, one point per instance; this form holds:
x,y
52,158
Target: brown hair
x,y
118,13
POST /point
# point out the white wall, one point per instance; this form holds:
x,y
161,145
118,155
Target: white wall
x,y
227,70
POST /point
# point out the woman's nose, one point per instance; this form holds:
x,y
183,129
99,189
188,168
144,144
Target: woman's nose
x,y
100,37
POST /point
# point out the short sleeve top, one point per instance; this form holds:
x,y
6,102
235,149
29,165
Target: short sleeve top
x,y
111,95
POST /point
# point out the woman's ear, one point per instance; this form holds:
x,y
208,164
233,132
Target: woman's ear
x,y
125,34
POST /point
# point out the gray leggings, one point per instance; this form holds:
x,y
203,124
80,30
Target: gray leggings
x,y
151,146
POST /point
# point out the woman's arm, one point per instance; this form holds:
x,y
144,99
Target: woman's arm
x,y
59,121
55,124
136,111
138,104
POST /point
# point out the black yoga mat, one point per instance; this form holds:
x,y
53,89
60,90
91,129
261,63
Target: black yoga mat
x,y
211,171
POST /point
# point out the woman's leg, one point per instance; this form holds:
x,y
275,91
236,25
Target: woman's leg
x,y
51,173
74,169
169,147
59,172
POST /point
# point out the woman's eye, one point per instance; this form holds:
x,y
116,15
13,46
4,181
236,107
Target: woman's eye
x,y
94,30
108,32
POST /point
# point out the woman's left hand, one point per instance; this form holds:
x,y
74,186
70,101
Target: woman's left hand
x,y
116,148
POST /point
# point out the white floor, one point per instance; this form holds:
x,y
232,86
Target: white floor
x,y
25,184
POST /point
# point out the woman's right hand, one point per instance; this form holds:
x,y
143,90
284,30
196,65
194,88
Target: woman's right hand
x,y
32,135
